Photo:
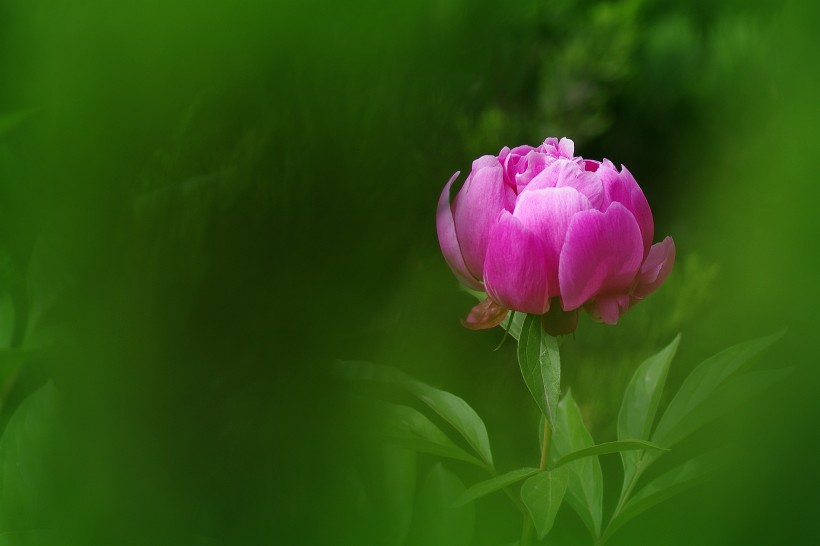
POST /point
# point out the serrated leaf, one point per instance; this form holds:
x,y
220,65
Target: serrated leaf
x,y
450,407
540,365
702,382
677,480
605,448
640,404
436,522
407,427
585,481
543,494
494,484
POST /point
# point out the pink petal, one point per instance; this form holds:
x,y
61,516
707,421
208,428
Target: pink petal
x,y
476,208
448,241
515,271
567,173
486,314
547,214
655,268
566,147
601,255
608,309
621,187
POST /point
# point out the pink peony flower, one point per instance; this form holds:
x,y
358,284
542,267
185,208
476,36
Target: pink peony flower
x,y
545,232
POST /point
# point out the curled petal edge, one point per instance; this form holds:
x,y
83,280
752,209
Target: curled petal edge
x,y
446,229
487,314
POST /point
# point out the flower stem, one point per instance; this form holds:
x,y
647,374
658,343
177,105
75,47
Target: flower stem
x,y
545,445
526,530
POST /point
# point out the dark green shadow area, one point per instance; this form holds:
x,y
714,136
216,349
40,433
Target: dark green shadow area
x,y
204,205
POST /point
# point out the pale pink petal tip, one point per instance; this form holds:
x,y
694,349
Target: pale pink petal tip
x,y
655,268
486,314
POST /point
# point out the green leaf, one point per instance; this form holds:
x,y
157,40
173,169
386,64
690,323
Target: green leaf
x,y
640,403
394,490
540,365
450,407
517,325
409,428
542,495
436,522
701,383
605,448
585,482
677,480
494,484
728,397
24,463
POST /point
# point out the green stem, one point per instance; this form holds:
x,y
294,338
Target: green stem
x,y
626,494
526,530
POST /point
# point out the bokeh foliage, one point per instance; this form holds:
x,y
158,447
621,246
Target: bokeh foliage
x,y
203,205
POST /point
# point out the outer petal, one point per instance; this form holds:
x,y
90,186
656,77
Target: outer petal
x,y
622,188
655,268
608,309
476,208
515,271
547,213
601,255
487,314
448,241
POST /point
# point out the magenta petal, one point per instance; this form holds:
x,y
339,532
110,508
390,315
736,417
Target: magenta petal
x,y
515,271
547,213
608,309
622,188
476,208
601,255
655,268
446,229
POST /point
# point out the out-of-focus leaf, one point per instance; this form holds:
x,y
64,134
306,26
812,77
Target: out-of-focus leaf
x,y
542,495
10,120
436,522
585,482
7,319
605,448
24,448
677,480
726,398
540,365
701,383
38,537
450,407
409,428
494,484
388,477
640,403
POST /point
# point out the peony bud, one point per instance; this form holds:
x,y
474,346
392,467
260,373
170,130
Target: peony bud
x,y
539,227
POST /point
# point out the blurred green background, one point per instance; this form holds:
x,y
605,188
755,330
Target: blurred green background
x,y
204,204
